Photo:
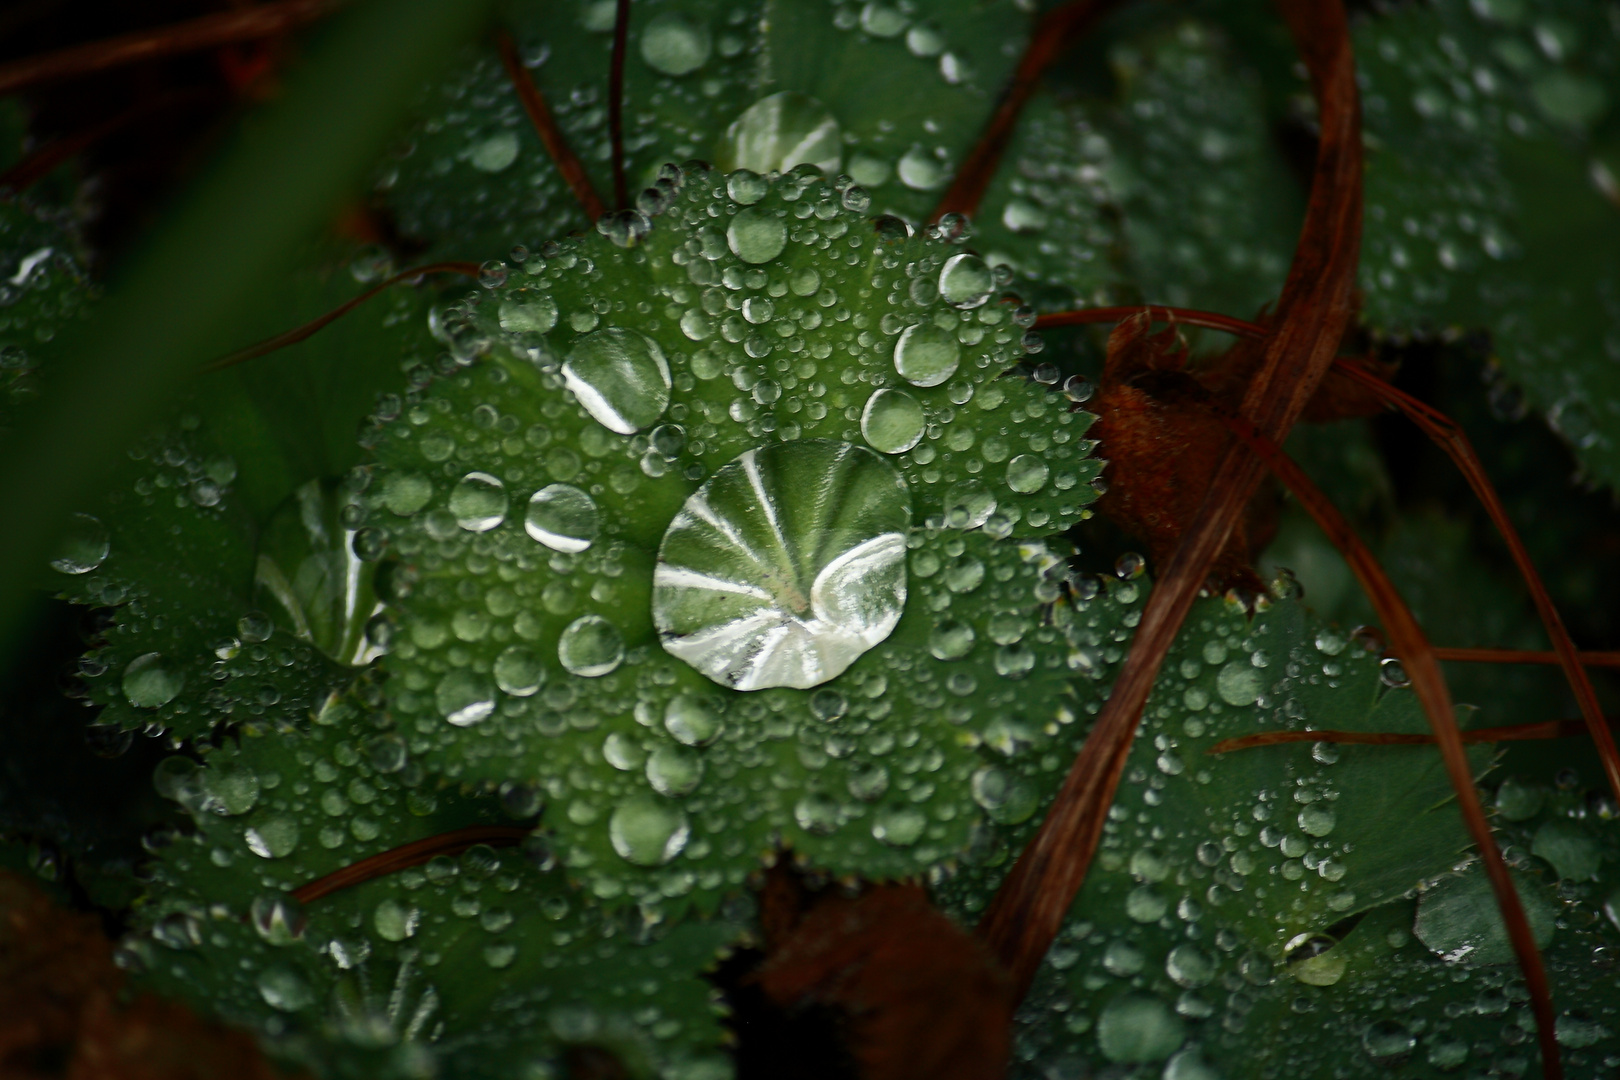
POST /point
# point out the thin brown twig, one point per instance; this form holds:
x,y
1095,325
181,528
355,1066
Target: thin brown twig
x,y
299,333
1211,320
1056,31
1550,729
1429,683
621,41
1446,434
193,35
407,855
1526,656
551,136
1315,308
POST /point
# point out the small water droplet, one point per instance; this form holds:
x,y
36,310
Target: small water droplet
x,y
464,697
1238,683
395,920
779,132
675,45
899,826
278,918
965,281
518,671
756,235
1317,820
1385,1039
647,832
273,838
674,771
1137,1028
284,989
83,546
563,518
150,681
892,422
951,640
479,502
693,720
590,646
1027,474
926,355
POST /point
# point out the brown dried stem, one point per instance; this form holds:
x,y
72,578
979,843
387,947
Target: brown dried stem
x,y
1210,320
193,35
299,333
1445,433
415,853
1056,31
1313,312
551,136
1550,729
1429,683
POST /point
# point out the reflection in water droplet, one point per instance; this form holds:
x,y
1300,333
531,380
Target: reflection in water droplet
x,y
479,502
1387,1039
968,505
756,235
620,377
464,697
518,671
692,720
590,646
675,45
1026,474
781,131
284,989
785,566
278,918
1238,683
966,281
563,518
926,355
149,681
892,421
83,547
647,832
1136,1028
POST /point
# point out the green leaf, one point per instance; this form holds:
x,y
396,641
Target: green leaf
x,y
483,965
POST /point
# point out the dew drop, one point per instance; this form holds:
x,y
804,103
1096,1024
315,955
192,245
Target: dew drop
x,y
818,814
479,502
921,170
395,920
1238,683
1027,474
495,153
951,640
1006,799
590,646
746,188
968,505
528,312
647,832
674,771
464,697
1317,820
83,546
779,132
675,45
1189,966
149,681
620,377
278,918
926,355
563,518
899,826
756,235
273,838
1387,1039
693,720
892,421
785,566
1136,1028
965,281
284,989
518,671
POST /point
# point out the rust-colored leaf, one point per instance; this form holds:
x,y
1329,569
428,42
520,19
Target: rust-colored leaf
x,y
61,1013
1312,314
920,999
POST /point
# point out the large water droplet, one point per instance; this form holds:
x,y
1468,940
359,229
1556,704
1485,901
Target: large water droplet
x,y
479,502
1189,966
892,421
150,681
1459,920
675,45
278,918
647,832
464,697
781,131
926,355
590,646
966,281
674,771
563,518
621,377
756,235
1135,1028
785,566
1317,820
1026,474
83,546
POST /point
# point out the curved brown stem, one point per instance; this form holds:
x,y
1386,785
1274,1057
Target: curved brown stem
x,y
1551,729
415,853
1210,320
621,40
1446,434
193,35
1056,31
1315,308
1423,668
1526,656
299,333
551,136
